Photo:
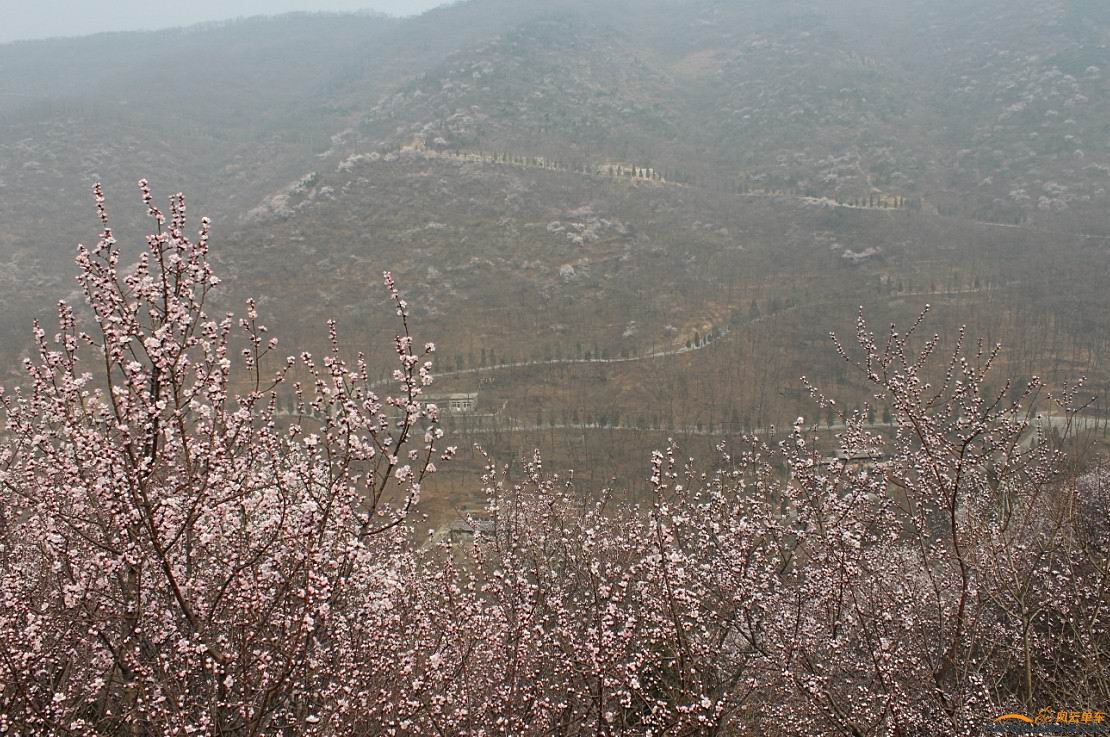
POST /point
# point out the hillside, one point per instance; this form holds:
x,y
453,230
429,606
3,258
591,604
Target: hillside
x,y
649,213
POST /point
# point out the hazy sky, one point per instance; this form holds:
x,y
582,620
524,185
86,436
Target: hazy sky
x,y
24,19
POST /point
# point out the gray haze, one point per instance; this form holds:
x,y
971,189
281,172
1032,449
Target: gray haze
x,y
46,18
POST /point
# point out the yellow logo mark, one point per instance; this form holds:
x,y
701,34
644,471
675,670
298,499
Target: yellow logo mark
x,y
1048,715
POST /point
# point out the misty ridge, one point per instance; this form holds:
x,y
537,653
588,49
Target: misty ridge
x,y
624,367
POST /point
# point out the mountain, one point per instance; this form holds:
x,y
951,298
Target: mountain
x,y
693,191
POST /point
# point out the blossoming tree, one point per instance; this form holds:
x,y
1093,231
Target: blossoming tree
x,y
177,557
174,559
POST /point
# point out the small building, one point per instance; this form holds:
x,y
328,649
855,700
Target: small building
x,y
463,531
856,457
460,403
849,455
